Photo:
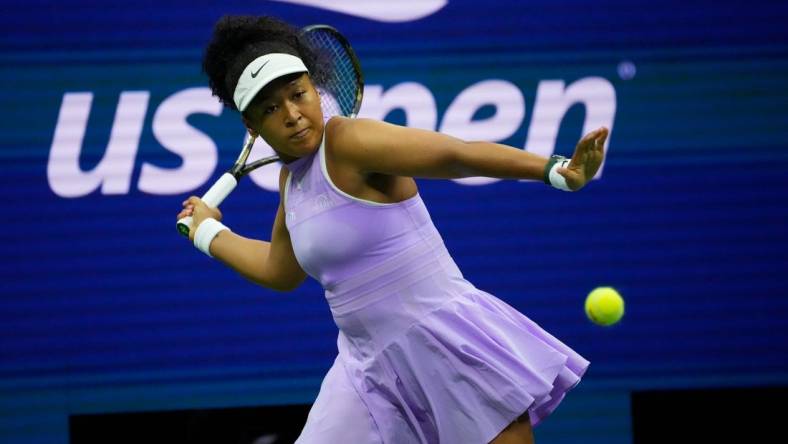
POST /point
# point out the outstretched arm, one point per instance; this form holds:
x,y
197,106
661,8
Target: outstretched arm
x,y
379,147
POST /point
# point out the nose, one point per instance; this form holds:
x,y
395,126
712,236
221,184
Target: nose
x,y
292,114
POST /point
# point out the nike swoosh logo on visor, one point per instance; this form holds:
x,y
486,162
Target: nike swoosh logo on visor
x,y
254,74
378,10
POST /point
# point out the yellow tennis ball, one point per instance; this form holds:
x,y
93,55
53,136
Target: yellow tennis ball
x,y
604,306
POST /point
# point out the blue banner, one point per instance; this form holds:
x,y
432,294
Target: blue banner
x,y
109,125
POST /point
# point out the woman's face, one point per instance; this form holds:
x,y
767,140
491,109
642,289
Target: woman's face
x,y
287,115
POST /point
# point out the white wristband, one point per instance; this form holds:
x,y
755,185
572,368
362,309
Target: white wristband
x,y
206,231
557,180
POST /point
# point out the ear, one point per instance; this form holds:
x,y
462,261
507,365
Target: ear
x,y
248,126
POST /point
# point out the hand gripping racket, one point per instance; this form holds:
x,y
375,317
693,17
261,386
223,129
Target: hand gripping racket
x,y
341,87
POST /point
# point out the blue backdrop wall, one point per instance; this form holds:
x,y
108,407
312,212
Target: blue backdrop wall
x,y
108,124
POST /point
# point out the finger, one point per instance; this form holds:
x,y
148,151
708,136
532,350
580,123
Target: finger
x,y
586,138
599,143
194,201
597,154
593,165
604,135
597,135
582,146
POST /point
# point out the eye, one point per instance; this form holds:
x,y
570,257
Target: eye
x,y
269,109
298,94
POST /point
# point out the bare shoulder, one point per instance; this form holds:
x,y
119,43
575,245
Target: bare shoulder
x,y
351,140
354,146
342,142
344,131
337,123
342,139
340,124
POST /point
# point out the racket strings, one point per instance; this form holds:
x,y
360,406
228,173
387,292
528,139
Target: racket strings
x,y
339,88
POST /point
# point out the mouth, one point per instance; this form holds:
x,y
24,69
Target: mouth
x,y
300,135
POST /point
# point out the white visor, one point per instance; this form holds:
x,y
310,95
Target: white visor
x,y
261,72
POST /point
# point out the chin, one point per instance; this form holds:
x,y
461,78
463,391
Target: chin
x,y
312,141
305,146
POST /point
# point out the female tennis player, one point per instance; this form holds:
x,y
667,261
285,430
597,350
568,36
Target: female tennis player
x,y
424,356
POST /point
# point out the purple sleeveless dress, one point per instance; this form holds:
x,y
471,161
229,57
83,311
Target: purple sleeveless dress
x,y
424,356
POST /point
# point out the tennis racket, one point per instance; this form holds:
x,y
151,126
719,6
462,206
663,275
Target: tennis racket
x,y
340,85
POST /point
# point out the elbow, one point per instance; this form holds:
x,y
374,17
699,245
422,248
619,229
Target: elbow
x,y
285,287
281,285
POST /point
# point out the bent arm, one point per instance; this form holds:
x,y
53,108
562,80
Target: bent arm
x,y
270,264
380,147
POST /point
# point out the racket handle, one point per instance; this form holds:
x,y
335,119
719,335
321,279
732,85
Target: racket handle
x,y
213,198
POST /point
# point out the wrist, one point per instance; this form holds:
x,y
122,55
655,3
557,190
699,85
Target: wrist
x,y
208,229
551,176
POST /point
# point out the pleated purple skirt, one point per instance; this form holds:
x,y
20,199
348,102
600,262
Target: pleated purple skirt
x,y
412,369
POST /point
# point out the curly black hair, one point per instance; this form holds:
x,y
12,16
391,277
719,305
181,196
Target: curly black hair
x,y
239,39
